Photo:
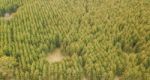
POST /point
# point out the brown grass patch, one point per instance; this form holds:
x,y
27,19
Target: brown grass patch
x,y
8,16
55,56
116,78
84,78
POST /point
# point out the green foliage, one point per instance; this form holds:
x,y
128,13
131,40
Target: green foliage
x,y
8,6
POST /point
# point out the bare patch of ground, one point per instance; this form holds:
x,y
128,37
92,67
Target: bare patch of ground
x,y
55,56
84,78
116,78
8,16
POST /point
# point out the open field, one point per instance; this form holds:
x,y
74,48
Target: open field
x,y
74,39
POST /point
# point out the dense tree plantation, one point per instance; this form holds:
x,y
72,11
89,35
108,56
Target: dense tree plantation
x,y
98,39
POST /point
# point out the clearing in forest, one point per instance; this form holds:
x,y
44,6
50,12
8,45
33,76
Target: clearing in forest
x,y
55,56
8,16
84,78
116,78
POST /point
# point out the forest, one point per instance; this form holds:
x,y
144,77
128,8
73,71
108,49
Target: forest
x,y
74,39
